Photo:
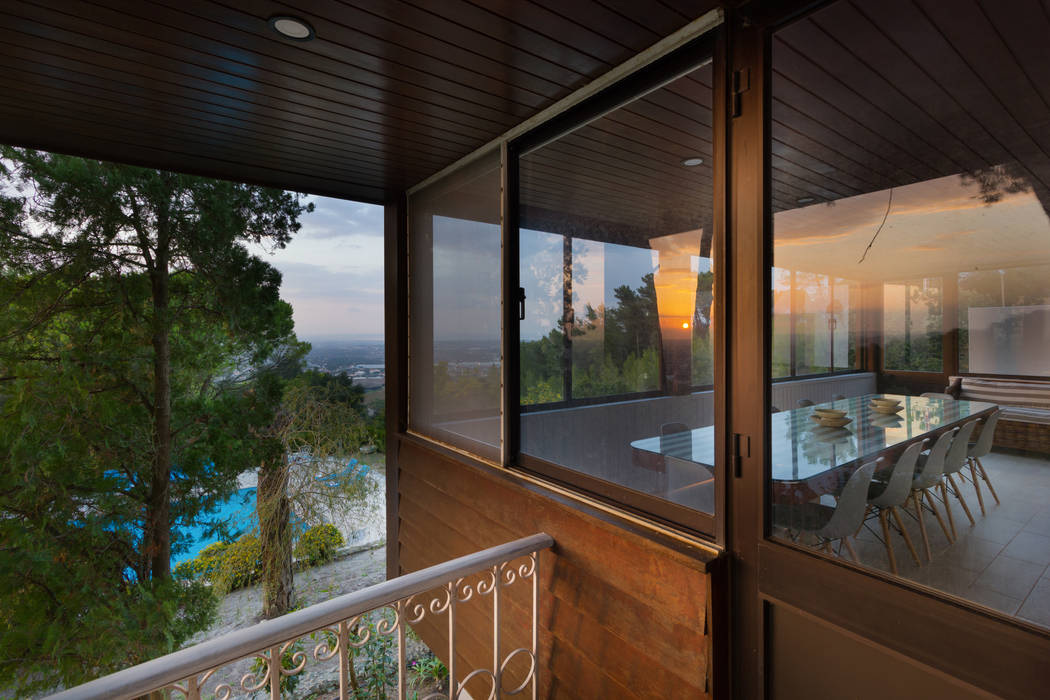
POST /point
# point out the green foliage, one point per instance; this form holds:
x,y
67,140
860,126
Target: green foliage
x,y
205,564
288,683
131,309
429,668
374,669
240,565
318,544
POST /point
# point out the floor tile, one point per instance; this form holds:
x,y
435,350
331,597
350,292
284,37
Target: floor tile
x,y
944,577
1039,524
1037,606
992,599
1010,577
996,529
1029,547
972,552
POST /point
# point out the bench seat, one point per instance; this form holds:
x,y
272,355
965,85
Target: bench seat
x,y
1025,403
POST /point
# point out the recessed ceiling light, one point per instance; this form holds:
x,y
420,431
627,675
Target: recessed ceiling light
x,y
805,200
692,162
292,27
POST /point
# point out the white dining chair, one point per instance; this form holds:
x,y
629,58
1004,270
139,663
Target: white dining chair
x,y
830,524
931,467
885,497
954,462
979,449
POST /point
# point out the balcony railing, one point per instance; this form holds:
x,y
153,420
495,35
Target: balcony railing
x,y
336,626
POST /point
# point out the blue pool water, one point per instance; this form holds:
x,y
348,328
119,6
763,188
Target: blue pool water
x,y
238,511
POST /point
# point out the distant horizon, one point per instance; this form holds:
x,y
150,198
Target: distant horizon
x,y
344,338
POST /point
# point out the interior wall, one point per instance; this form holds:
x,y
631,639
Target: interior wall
x,y
621,615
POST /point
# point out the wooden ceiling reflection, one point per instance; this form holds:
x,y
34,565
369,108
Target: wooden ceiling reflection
x,y
388,92
870,95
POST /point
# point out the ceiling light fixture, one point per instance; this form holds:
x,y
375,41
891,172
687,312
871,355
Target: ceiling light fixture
x,y
692,162
292,28
805,200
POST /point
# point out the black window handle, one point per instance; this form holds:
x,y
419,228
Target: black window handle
x,y
521,303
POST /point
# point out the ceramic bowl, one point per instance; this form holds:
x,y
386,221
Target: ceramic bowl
x,y
886,402
886,409
831,422
829,412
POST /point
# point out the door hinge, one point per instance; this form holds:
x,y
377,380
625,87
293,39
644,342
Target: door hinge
x,y
741,450
741,84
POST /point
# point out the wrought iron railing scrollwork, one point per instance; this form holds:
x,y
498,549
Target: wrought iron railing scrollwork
x,y
281,650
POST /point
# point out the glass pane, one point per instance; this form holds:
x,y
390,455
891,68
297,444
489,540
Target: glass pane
x,y
617,357
912,325
912,249
454,317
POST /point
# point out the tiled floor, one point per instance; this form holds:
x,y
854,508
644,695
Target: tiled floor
x,y
1003,560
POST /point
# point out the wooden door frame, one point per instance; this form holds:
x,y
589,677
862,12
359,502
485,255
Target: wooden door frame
x,y
988,650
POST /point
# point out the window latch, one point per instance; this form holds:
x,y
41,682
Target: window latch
x,y
521,303
741,84
741,449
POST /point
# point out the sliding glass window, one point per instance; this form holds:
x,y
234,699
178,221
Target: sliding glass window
x,y
618,263
910,194
454,318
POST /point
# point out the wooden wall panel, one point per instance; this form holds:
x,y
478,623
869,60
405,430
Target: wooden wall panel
x,y
621,615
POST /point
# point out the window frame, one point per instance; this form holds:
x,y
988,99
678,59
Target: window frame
x,y
705,48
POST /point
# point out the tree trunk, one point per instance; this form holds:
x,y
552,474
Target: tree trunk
x,y
157,536
275,535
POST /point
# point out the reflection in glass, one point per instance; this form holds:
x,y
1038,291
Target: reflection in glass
x,y
617,343
454,326
911,242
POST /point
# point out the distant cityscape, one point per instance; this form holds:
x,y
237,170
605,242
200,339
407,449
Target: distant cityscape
x,y
362,359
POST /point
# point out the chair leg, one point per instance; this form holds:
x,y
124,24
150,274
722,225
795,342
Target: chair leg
x,y
849,548
947,507
886,537
962,501
905,535
827,546
988,481
977,486
867,512
915,496
937,514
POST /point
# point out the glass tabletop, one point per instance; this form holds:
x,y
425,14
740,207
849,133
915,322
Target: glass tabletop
x,y
802,449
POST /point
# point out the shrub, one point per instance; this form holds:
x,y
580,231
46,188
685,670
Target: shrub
x,y
205,564
318,544
240,564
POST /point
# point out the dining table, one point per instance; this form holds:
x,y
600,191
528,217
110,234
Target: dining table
x,y
809,460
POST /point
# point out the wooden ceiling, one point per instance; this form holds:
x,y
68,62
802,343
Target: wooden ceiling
x,y
867,96
872,95
388,92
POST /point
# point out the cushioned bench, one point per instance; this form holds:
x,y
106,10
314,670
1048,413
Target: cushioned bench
x,y
1025,421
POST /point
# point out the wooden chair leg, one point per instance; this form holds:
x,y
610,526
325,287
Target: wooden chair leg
x,y
948,508
849,548
827,546
905,535
977,486
937,514
962,501
988,481
886,537
867,512
916,497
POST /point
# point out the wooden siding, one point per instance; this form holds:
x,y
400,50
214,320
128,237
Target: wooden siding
x,y
621,615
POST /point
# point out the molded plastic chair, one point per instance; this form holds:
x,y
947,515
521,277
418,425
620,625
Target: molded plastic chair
x,y
932,468
954,461
803,403
838,397
884,497
979,449
829,524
